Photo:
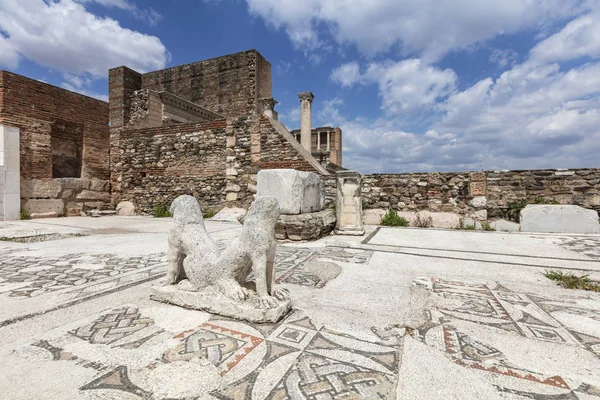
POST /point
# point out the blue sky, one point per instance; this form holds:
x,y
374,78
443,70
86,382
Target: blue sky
x,y
415,85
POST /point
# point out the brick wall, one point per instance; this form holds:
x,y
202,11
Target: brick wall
x,y
276,152
35,107
230,85
61,126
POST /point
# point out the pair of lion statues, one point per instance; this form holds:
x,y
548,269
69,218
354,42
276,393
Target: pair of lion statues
x,y
193,255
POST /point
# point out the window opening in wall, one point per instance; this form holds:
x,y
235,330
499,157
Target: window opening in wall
x,y
323,139
66,141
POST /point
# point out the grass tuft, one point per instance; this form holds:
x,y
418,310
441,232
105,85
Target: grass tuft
x,y
160,211
209,213
24,215
487,227
393,219
570,281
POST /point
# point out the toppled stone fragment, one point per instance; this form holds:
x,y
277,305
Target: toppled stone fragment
x,y
559,219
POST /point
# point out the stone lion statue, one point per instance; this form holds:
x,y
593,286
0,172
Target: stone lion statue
x,y
194,256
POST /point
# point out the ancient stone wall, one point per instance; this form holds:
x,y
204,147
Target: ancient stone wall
x,y
575,186
480,195
230,85
62,134
216,162
417,191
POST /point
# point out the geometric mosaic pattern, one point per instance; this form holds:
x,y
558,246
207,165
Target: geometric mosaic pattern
x,y
527,315
292,359
29,276
530,316
296,360
222,346
123,327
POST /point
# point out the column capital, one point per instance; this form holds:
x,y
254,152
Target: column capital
x,y
306,96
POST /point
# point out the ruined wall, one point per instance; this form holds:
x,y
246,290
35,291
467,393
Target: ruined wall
x,y
63,134
418,191
576,186
216,162
276,152
230,85
158,164
480,195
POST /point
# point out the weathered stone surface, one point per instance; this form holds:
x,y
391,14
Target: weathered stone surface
x,y
74,209
125,208
215,281
99,185
39,206
307,226
505,226
479,202
349,204
559,219
373,217
40,188
468,222
44,215
229,214
74,183
444,220
296,191
91,195
480,215
215,302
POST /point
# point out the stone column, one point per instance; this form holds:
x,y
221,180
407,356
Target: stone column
x,y
10,173
306,99
349,204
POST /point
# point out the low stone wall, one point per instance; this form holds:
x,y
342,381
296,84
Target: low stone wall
x,y
579,187
479,195
64,196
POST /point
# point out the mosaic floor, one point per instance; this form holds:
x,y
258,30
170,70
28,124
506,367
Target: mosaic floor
x,y
515,344
531,317
293,359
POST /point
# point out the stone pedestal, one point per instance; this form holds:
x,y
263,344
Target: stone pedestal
x,y
349,204
216,303
297,192
308,226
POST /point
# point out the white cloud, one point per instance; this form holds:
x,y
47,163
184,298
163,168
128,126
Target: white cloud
x,y
579,38
149,14
9,57
64,36
534,115
428,28
404,86
504,58
346,74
